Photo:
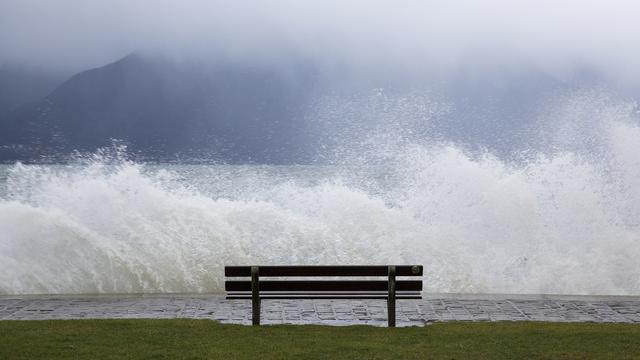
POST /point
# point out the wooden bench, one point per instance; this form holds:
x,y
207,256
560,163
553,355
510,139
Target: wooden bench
x,y
257,289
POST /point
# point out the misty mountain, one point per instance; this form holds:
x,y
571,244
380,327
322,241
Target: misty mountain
x,y
274,112
161,110
19,86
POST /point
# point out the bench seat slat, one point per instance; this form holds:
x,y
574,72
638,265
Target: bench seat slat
x,y
364,297
324,270
323,293
323,285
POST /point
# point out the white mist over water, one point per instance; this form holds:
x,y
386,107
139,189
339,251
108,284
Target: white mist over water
x,y
563,219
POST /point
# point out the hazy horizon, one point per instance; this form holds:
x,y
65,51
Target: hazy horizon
x,y
432,37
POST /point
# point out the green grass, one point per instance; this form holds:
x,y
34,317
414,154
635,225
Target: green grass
x,y
202,339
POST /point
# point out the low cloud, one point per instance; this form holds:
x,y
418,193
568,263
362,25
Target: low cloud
x,y
434,36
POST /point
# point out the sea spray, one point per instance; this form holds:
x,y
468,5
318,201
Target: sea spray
x,y
563,219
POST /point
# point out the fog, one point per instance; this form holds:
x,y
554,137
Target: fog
x,y
440,37
496,142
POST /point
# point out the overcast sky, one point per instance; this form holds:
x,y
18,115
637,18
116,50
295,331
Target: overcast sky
x,y
439,35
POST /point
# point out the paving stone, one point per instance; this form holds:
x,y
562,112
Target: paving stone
x,y
328,312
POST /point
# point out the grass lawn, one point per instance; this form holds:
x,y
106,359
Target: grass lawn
x,y
203,339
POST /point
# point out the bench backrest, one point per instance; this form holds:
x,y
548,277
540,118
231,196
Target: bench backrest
x,y
318,289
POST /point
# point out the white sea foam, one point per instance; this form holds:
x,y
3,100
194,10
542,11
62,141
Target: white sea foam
x,y
565,220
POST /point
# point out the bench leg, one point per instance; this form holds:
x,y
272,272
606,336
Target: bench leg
x,y
391,299
255,296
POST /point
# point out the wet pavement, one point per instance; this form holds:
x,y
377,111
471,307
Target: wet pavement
x,y
432,308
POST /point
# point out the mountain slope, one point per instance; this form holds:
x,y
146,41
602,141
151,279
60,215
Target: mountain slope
x,y
19,86
161,109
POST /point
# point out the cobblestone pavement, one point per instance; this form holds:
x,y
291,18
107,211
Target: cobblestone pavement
x,y
445,307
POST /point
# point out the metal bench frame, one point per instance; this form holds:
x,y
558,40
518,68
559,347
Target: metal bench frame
x,y
389,289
